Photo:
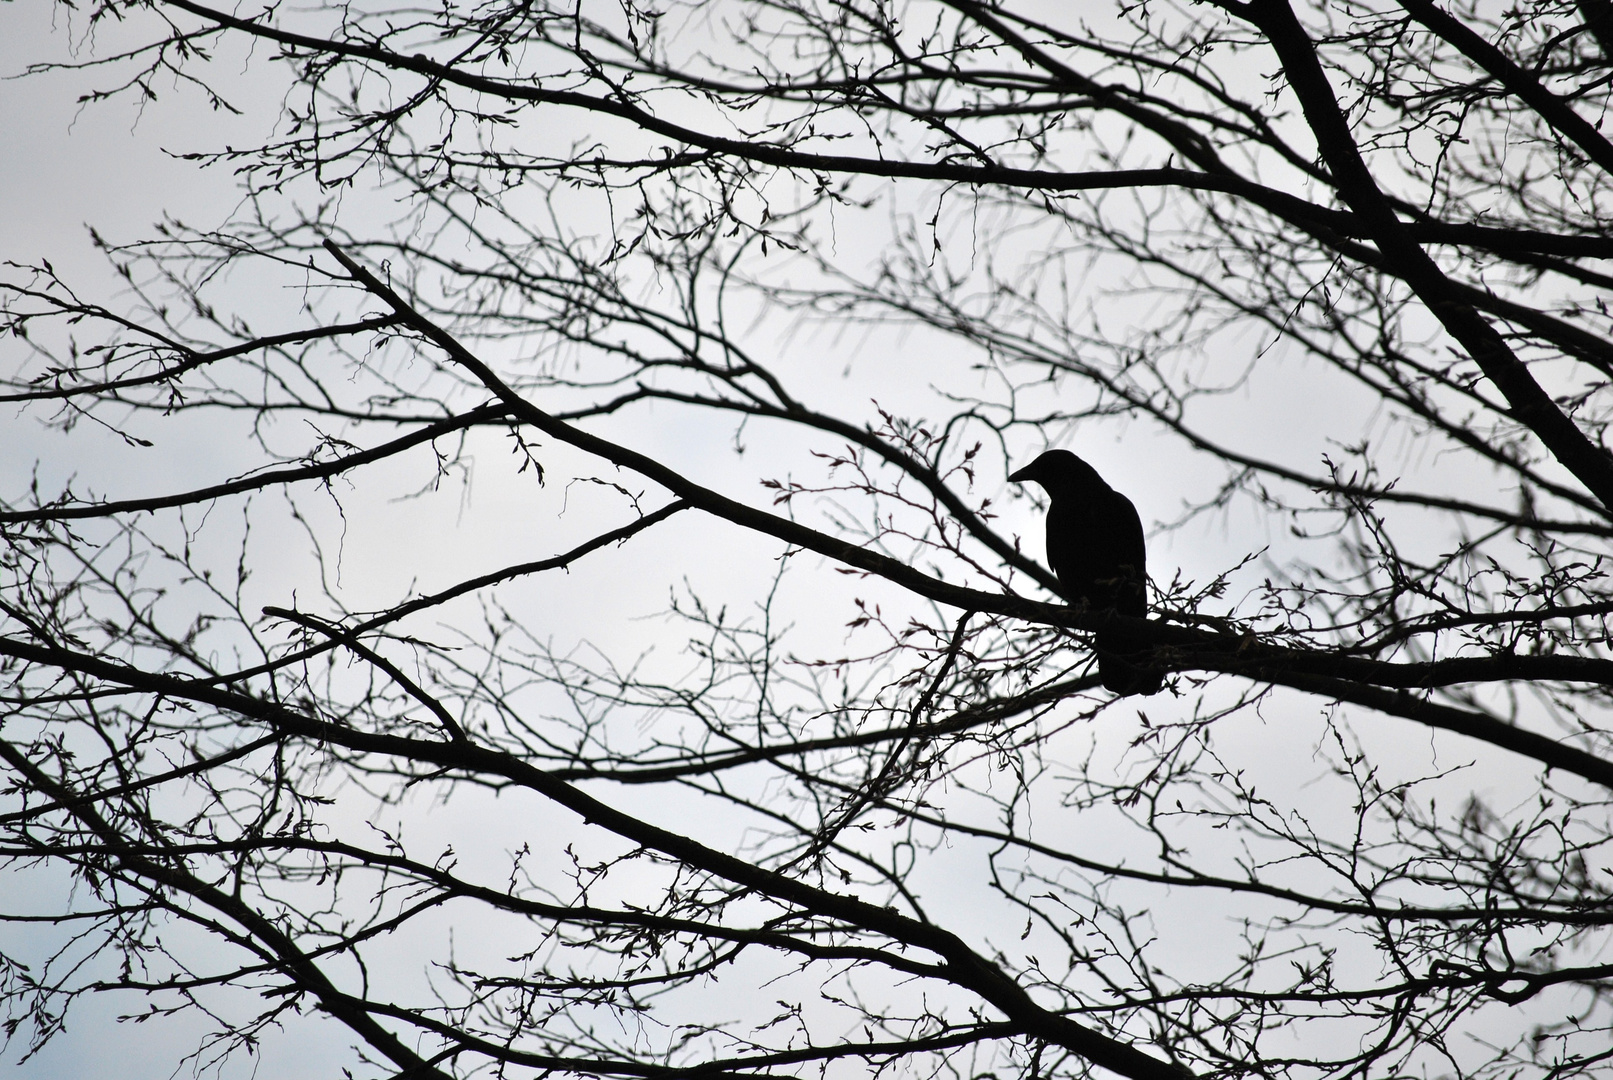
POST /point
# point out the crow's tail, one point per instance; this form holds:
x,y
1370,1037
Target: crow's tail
x,y
1118,668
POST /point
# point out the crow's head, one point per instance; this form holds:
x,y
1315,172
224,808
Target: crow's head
x,y
1062,474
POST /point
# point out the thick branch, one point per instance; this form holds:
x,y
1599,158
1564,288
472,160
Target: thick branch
x,y
1548,106
962,965
1284,205
292,961
1531,405
1181,648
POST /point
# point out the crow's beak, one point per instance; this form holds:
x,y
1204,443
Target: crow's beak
x,y
1021,476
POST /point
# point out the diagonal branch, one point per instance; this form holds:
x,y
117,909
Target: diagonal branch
x,y
1530,404
1178,648
1548,106
963,966
290,959
319,471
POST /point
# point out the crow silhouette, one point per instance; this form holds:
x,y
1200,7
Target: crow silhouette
x,y
1095,546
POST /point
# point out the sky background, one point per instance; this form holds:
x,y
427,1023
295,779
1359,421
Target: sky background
x,y
64,167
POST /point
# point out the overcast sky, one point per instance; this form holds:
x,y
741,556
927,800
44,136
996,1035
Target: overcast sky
x,y
63,167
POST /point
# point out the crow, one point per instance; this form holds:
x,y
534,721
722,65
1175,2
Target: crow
x,y
1095,546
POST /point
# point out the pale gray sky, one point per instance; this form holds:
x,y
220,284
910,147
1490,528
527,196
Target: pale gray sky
x,y
62,167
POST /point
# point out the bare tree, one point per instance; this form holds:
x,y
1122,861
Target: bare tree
x,y
771,295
